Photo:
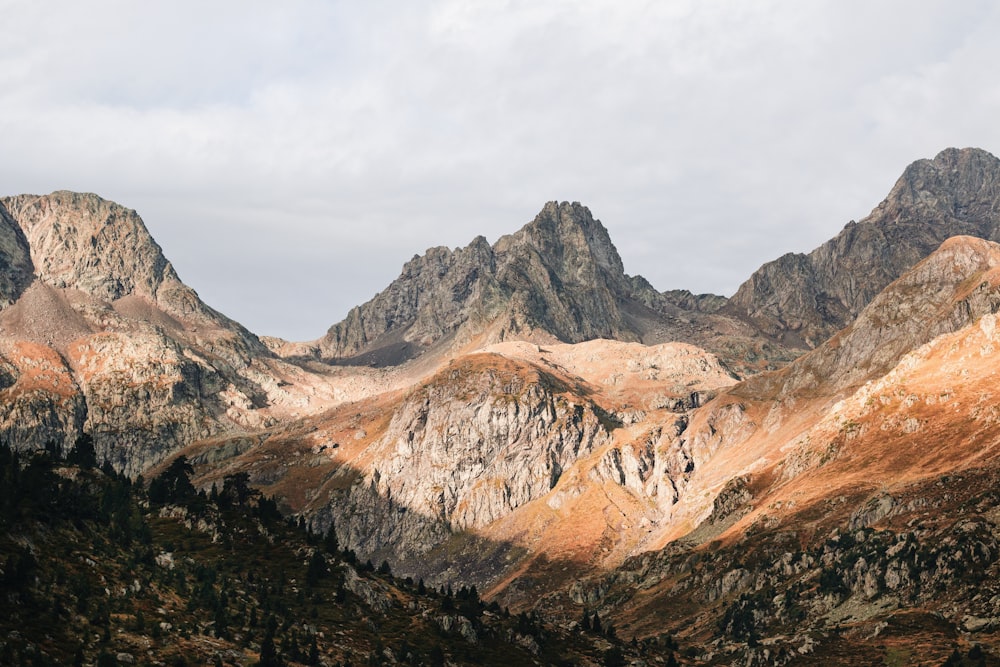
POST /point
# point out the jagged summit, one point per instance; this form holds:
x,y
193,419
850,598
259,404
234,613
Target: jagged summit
x,y
570,236
83,242
98,334
804,299
559,276
962,182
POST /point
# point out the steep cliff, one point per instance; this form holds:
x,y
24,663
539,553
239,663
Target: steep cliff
x,y
15,260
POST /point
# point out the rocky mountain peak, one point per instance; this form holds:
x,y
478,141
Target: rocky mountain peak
x,y
805,298
560,274
82,241
569,236
964,183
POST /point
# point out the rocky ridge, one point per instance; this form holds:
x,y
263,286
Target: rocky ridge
x,y
804,299
852,496
528,464
560,274
100,335
559,278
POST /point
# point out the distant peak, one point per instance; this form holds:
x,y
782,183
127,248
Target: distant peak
x,y
956,159
567,231
954,182
573,212
956,156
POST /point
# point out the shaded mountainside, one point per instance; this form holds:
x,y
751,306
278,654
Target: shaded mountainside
x,y
96,570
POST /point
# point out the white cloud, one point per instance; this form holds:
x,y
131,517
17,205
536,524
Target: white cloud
x,y
329,142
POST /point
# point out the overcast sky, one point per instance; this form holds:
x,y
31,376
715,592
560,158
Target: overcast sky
x,y
289,157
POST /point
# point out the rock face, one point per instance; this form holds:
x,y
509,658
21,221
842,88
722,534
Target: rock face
x,y
480,439
560,274
875,500
15,260
579,453
949,290
80,241
804,299
98,334
559,277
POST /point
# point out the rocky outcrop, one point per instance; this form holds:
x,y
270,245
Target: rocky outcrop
x,y
947,291
81,241
90,244
40,400
558,277
16,271
804,299
482,438
99,335
560,274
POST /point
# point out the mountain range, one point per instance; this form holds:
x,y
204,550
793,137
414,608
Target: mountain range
x,y
802,473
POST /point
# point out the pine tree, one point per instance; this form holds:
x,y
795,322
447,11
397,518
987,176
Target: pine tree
x,y
317,569
313,652
330,543
83,453
268,653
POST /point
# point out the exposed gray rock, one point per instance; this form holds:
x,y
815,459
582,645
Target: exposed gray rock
x,y
465,449
805,299
16,271
947,291
560,277
98,334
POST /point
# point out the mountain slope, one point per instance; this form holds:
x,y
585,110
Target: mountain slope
x,y
805,299
100,335
559,278
503,457
852,507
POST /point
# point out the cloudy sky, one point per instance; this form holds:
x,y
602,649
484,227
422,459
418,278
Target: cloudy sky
x,y
289,157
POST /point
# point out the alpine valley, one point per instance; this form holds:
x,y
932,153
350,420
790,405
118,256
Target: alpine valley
x,y
552,461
